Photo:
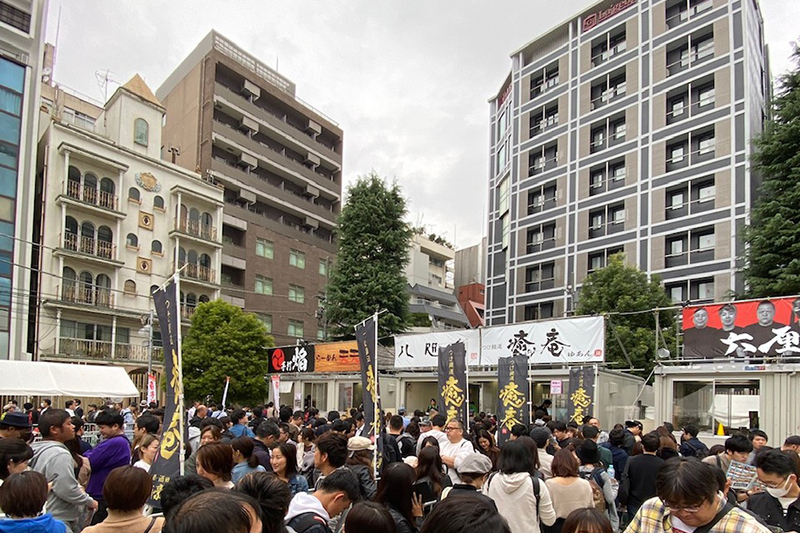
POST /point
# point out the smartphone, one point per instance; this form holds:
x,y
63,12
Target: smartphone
x,y
423,490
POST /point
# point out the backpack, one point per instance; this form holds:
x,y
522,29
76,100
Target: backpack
x,y
596,482
700,453
390,454
305,521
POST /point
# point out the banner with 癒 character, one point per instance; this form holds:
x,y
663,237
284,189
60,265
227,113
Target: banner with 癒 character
x,y
512,399
453,382
581,393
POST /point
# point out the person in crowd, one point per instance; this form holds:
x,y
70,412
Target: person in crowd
x,y
181,488
591,469
148,448
487,447
113,451
69,406
208,435
125,492
145,425
14,457
45,405
560,432
65,501
792,443
78,408
239,428
359,461
633,434
15,426
541,436
638,479
311,513
284,464
667,448
369,517
305,454
216,510
592,433
465,514
91,414
688,500
779,504
595,423
759,439
533,450
518,431
83,469
455,448
587,521
266,439
330,455
82,445
437,425
616,440
272,495
244,459
284,434
691,446
430,470
522,499
474,470
567,489
395,491
395,431
737,448
215,463
431,406
22,499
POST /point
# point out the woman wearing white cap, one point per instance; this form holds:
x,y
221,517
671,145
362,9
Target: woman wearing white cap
x,y
359,461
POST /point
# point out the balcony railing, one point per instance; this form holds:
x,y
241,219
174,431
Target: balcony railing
x,y
102,350
77,292
196,229
91,195
187,311
195,271
89,245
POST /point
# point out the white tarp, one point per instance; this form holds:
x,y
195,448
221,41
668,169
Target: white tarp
x,y
286,387
566,340
35,378
422,350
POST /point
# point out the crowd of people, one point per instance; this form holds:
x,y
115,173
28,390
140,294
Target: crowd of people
x,y
273,470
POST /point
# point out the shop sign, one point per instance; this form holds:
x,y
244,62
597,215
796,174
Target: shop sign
x,y
556,386
594,19
291,359
336,357
422,350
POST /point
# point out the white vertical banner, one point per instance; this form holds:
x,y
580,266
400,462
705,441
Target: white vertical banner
x,y
276,391
151,388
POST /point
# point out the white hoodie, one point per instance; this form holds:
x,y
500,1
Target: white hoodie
x,y
513,494
304,502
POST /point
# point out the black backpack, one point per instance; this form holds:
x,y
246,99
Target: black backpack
x,y
700,453
305,521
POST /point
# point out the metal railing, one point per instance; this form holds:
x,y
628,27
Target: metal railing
x,y
89,246
77,292
102,350
196,228
91,195
195,271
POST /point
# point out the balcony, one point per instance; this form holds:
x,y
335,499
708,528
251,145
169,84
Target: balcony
x,y
95,350
187,312
191,271
90,198
195,228
88,248
78,293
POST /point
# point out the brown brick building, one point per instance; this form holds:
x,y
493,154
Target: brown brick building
x,y
280,161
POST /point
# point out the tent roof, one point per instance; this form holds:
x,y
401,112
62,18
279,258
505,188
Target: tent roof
x,y
36,378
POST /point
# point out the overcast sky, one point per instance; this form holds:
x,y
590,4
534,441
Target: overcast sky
x,y
408,80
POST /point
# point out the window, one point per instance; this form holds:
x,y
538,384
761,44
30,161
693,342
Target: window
x,y
599,259
505,225
502,157
689,51
706,404
158,203
320,334
607,220
323,267
691,99
705,95
503,198
679,11
677,156
15,17
543,118
607,176
295,328
676,292
540,277
156,247
297,259
702,289
542,158
141,131
703,243
607,89
264,248
297,294
541,198
266,320
541,237
133,195
677,202
695,246
676,251
676,107
539,311
130,286
544,80
705,191
263,285
705,143
607,46
132,240
608,132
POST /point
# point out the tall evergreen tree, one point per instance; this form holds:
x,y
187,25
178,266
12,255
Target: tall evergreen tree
x,y
369,273
773,236
624,289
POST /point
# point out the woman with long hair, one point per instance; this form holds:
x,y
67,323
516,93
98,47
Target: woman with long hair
x,y
431,471
305,453
369,517
284,464
395,492
567,489
208,435
148,448
215,463
359,460
245,461
487,446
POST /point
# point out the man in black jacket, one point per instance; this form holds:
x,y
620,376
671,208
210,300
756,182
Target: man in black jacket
x,y
691,445
639,478
779,505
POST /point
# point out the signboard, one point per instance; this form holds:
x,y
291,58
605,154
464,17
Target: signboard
x,y
570,340
581,393
367,338
151,388
336,357
590,21
422,350
453,382
556,386
512,401
743,330
291,359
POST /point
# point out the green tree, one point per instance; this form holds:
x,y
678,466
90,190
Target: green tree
x,y
620,288
225,341
772,266
369,273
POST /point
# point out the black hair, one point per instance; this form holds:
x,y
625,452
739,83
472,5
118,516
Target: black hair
x,y
395,489
439,420
210,421
245,446
214,510
651,442
369,517
738,443
289,451
558,425
758,433
465,513
776,462
285,413
340,426
273,496
429,464
396,422
429,440
335,446
519,430
267,429
686,481
237,415
617,437
590,432
343,480
539,414
587,520
148,423
52,418
297,414
514,458
691,429
109,417
13,450
180,488
333,415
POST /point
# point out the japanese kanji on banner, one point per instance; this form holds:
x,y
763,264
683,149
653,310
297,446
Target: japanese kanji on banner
x,y
744,330
367,339
581,393
298,358
512,401
422,350
453,382
569,340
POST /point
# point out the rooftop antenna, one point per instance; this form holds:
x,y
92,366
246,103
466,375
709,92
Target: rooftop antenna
x,y
103,78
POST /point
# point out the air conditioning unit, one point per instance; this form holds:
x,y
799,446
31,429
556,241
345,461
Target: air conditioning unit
x,y
248,124
247,161
311,159
313,127
250,89
311,223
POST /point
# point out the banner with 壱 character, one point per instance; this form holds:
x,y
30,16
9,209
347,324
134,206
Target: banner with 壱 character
x,y
512,400
367,339
453,382
581,393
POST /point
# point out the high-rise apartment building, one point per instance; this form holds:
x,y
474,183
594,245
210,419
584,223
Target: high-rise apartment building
x,y
280,162
21,51
625,129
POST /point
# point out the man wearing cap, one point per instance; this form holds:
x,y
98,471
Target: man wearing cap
x,y
15,426
541,436
473,471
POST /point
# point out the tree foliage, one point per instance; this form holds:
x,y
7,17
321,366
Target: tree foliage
x,y
624,289
225,341
773,236
369,274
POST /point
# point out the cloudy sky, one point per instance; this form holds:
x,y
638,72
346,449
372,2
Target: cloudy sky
x,y
408,80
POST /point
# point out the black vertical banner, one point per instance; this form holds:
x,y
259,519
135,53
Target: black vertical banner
x,y
366,337
512,398
453,382
167,462
581,393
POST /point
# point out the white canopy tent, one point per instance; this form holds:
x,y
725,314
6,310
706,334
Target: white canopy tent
x,y
34,378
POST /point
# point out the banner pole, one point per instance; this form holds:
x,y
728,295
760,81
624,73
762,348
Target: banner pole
x,y
376,403
182,426
530,392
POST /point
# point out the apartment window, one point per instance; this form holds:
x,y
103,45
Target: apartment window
x,y
15,17
323,267
677,108
676,246
542,158
265,248
133,195
703,192
702,289
691,148
320,334
263,285
543,118
541,198
607,46
691,99
677,202
297,294
599,259
703,242
297,259
676,292
539,311
541,237
608,132
705,143
676,155
295,328
680,11
503,198
607,177
544,80
132,240
266,320
695,246
705,95
540,277
608,88
607,220
505,222
501,124
689,51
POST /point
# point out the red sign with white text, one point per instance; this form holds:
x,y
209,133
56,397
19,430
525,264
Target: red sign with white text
x,y
590,21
